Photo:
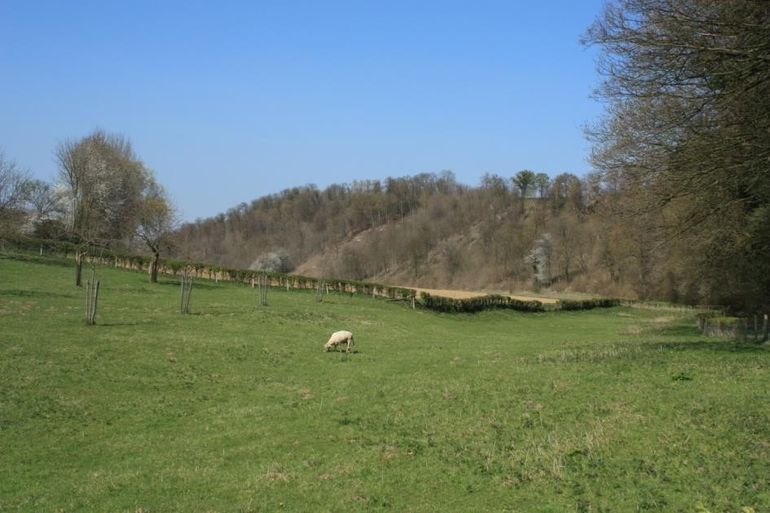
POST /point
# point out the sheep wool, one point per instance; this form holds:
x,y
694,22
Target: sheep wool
x,y
340,338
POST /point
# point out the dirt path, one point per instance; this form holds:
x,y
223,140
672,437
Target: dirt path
x,y
465,294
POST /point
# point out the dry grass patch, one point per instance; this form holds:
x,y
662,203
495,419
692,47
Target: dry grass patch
x,y
466,294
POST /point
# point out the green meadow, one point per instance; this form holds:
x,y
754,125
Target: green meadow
x,y
236,407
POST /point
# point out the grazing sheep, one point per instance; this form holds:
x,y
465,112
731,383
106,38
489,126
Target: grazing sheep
x,y
339,338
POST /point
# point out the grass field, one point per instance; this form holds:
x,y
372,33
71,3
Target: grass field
x,y
236,408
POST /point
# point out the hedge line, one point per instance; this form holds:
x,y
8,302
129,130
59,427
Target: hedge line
x,y
207,271
477,304
587,304
214,272
67,248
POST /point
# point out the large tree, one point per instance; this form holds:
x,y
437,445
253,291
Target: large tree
x,y
104,181
687,134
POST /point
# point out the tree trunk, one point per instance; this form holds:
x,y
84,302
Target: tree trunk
x,y
78,269
154,268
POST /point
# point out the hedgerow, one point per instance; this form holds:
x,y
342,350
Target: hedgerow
x,y
209,271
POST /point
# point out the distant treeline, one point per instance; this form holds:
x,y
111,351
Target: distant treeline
x,y
522,232
426,229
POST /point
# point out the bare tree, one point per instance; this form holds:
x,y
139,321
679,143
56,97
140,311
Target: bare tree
x,y
157,220
14,188
104,181
541,183
687,86
43,200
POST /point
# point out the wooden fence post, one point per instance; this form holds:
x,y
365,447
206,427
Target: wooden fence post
x,y
184,306
87,302
91,301
78,268
94,303
264,283
92,297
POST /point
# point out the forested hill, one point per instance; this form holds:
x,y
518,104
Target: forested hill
x,y
429,230
680,209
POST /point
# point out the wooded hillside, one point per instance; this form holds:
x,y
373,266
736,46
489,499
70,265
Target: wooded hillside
x,y
679,207
525,232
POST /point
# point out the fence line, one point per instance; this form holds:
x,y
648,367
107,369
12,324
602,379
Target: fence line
x,y
171,267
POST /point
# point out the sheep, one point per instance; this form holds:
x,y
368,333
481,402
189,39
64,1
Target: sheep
x,y
339,338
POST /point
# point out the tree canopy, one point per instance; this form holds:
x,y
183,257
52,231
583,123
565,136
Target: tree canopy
x,y
686,136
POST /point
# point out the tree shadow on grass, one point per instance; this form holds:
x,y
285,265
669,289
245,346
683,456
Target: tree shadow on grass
x,y
32,293
694,340
343,352
717,345
127,323
213,311
196,284
678,330
47,260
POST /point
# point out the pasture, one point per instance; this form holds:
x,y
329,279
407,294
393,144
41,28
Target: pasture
x,y
237,408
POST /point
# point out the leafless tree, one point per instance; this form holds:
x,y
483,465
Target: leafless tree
x,y
14,188
687,86
43,200
104,182
157,219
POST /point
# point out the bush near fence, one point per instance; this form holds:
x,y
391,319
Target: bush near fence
x,y
716,323
587,304
477,304
493,301
213,272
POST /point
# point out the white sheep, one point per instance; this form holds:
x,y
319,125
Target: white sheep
x,y
339,338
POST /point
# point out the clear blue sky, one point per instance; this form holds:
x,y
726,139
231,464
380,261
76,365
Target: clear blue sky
x,y
229,101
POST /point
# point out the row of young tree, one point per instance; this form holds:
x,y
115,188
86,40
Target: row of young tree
x,y
104,196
